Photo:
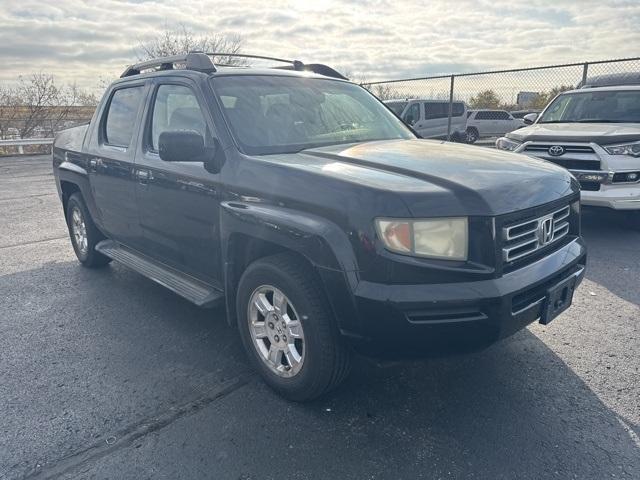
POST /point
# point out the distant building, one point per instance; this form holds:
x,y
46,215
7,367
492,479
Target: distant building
x,y
526,99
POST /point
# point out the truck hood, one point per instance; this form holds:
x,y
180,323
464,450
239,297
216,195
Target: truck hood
x,y
437,178
600,133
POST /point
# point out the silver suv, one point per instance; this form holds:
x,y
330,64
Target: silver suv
x,y
595,133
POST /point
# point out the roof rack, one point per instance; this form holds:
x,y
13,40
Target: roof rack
x,y
203,62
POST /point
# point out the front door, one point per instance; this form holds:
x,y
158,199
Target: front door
x,y
178,201
110,158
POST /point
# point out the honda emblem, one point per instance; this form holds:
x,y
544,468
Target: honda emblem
x,y
545,231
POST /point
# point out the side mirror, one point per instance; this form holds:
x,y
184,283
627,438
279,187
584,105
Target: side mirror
x,y
530,118
181,146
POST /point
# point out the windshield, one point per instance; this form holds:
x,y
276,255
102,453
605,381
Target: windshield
x,y
277,114
617,106
397,107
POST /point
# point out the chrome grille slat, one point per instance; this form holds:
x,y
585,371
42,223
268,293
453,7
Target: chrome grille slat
x,y
524,238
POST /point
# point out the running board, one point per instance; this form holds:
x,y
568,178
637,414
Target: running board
x,y
196,291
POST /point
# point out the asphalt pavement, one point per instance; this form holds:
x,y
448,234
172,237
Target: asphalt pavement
x,y
104,374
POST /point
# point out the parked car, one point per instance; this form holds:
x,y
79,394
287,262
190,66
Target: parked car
x,y
490,123
595,133
299,202
430,118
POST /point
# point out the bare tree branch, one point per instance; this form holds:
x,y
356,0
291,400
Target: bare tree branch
x,y
181,40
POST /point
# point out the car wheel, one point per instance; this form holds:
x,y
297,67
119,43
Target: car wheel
x,y
84,234
472,135
288,329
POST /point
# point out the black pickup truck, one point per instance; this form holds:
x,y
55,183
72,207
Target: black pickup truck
x,y
302,204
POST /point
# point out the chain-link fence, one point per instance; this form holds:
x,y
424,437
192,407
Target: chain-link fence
x,y
495,102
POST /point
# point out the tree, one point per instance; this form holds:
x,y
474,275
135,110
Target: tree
x,y
38,103
485,99
8,110
181,40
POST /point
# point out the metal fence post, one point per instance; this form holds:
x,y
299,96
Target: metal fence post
x,y
585,70
450,109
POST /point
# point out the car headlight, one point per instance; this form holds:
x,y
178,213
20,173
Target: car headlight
x,y
445,238
504,143
632,149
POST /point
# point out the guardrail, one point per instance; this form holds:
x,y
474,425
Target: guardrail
x,y
22,142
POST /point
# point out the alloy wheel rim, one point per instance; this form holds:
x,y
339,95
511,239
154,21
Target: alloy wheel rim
x,y
79,231
276,331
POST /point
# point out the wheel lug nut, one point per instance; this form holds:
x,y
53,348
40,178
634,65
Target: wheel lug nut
x,y
271,325
276,338
284,338
284,325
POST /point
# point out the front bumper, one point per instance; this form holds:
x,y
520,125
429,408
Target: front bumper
x,y
401,320
618,197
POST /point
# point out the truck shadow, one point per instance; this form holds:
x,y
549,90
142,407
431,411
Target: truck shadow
x,y
515,410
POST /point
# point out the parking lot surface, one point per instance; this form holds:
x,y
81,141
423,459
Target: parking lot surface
x,y
104,374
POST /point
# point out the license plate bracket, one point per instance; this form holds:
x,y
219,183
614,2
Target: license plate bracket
x,y
559,298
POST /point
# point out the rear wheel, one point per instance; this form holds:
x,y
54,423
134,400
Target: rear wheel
x,y
288,330
84,234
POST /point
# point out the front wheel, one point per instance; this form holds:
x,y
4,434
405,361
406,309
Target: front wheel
x,y
288,330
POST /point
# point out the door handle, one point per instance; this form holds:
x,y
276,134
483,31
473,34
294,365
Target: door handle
x,y
94,163
143,176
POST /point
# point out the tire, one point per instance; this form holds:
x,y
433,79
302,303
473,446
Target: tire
x,y
472,135
78,222
324,359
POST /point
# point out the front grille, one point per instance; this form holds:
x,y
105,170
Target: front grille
x,y
567,148
590,186
525,238
573,164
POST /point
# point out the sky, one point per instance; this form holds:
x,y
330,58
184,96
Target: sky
x,y
88,42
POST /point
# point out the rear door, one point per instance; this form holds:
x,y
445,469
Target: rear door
x,y
178,201
436,119
110,157
504,123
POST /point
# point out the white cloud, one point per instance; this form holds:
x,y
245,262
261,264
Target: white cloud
x,y
85,41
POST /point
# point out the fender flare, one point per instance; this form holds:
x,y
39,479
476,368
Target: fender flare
x,y
323,243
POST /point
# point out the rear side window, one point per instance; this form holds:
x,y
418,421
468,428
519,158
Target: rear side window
x,y
484,115
502,116
176,107
436,110
121,117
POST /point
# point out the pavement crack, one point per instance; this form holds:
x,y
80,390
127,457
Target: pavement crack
x,y
22,244
126,437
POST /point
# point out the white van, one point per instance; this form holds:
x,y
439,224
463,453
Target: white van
x,y
429,118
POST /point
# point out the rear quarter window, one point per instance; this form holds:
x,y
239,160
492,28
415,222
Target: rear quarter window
x,y
121,117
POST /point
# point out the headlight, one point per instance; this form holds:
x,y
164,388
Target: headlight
x,y
445,238
632,149
504,143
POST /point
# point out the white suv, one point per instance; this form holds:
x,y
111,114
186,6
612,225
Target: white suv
x,y
430,118
490,123
595,133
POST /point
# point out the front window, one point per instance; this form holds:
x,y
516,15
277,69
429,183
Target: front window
x,y
274,114
613,106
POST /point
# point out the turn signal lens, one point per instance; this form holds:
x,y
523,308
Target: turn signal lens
x,y
396,235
